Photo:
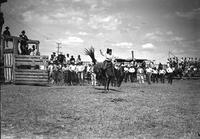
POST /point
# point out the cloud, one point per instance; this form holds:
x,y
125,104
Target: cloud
x,y
71,40
100,34
68,33
77,0
191,15
176,38
159,36
30,16
27,16
148,46
169,33
83,33
156,36
104,22
123,44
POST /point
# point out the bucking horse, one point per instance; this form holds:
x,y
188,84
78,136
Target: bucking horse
x,y
104,75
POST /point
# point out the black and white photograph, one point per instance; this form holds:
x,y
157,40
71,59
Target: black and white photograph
x,y
100,69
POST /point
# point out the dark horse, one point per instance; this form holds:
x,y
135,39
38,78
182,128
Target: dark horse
x,y
105,74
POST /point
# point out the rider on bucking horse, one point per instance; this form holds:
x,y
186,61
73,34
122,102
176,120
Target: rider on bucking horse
x,y
108,58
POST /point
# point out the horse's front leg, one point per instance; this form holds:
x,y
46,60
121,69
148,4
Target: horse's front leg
x,y
105,85
108,82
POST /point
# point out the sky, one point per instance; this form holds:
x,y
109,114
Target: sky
x,y
150,28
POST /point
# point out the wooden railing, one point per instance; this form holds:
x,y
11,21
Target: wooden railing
x,y
30,70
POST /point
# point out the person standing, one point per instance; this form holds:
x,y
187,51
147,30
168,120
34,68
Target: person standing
x,y
66,74
170,74
72,69
72,60
162,73
61,58
148,74
6,35
132,72
140,75
155,75
67,59
23,43
33,51
78,60
126,71
80,73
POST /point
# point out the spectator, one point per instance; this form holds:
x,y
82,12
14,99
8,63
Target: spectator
x,y
61,58
33,51
67,59
149,71
170,74
78,60
132,73
23,43
155,75
140,74
162,75
53,57
72,60
6,34
126,71
66,74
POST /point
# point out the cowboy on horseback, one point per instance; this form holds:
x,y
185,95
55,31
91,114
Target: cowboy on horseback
x,y
108,58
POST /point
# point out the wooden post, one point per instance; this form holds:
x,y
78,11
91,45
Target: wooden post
x,y
132,53
37,47
15,45
1,46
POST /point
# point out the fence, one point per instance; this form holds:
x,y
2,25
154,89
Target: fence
x,y
25,69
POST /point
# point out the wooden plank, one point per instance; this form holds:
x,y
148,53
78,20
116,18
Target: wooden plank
x,y
31,57
8,51
27,60
29,74
24,80
30,77
29,63
30,70
8,66
32,73
30,60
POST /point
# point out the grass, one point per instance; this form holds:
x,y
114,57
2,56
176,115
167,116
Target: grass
x,y
131,111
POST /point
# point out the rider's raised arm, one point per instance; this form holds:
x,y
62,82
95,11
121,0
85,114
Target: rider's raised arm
x,y
101,53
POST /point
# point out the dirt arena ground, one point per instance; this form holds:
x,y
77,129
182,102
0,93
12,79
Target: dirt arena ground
x,y
131,111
